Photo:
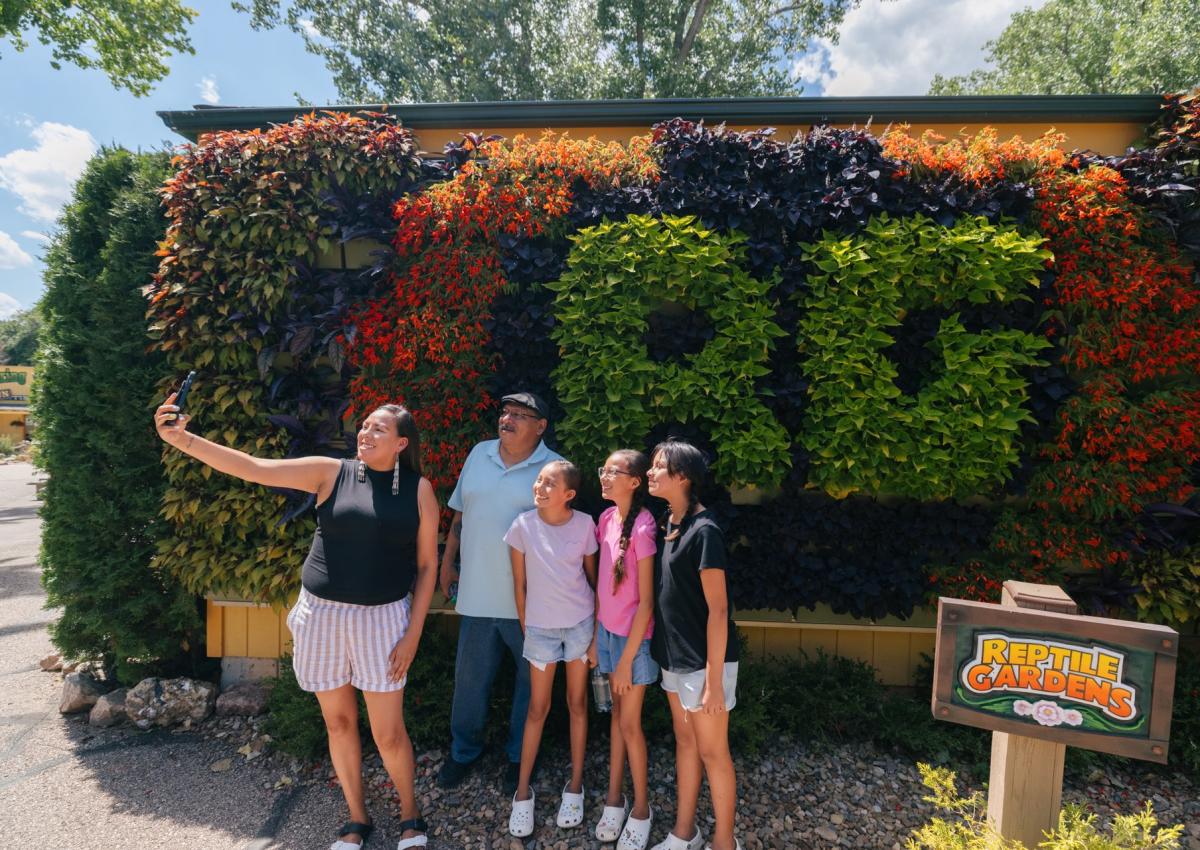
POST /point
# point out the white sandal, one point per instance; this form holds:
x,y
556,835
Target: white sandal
x,y
636,833
674,842
570,810
417,824
520,822
611,820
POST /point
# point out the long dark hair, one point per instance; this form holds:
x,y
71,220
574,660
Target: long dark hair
x,y
683,461
406,426
637,465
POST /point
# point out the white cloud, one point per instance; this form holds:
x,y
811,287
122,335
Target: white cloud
x,y
42,176
11,255
310,29
8,306
208,90
35,235
895,48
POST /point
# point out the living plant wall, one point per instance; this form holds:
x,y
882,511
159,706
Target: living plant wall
x,y
919,366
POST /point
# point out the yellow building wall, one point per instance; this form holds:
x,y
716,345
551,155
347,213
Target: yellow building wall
x,y
1102,137
238,630
15,385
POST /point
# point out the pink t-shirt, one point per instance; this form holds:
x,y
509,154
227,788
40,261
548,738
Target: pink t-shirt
x,y
557,593
618,609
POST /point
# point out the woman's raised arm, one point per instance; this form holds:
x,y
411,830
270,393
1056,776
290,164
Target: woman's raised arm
x,y
310,474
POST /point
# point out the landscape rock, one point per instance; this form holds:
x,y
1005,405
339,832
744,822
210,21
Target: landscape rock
x,y
246,699
52,663
80,692
169,702
109,710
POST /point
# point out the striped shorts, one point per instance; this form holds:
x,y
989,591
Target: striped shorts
x,y
336,642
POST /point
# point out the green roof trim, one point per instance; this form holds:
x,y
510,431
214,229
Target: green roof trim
x,y
1140,109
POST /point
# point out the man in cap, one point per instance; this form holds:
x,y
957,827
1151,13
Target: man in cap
x,y
494,486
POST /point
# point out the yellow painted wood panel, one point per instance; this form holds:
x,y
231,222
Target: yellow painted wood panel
x,y
921,644
262,632
243,631
214,631
1102,137
891,657
815,641
856,644
236,638
781,643
754,640
285,634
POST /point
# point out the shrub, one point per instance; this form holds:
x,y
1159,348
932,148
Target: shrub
x,y
96,439
7,446
968,828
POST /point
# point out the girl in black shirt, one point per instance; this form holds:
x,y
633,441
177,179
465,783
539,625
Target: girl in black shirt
x,y
696,645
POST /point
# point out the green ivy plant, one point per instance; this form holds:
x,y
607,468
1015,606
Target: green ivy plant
x,y
617,275
959,433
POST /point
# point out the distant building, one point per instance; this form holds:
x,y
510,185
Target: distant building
x,y
15,384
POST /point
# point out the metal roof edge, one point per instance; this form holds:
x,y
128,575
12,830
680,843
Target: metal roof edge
x,y
773,110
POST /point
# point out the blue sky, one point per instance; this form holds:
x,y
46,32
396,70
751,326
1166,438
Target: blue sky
x,y
52,121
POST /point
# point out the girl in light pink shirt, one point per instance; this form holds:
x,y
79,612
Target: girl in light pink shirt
x,y
625,621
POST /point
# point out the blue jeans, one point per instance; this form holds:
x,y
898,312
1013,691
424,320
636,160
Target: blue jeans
x,y
481,645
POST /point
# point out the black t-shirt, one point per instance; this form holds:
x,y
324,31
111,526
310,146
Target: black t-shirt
x,y
680,641
365,548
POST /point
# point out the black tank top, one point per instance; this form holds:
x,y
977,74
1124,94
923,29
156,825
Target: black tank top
x,y
365,548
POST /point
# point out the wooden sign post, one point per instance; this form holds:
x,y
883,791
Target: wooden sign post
x,y
1025,785
1042,677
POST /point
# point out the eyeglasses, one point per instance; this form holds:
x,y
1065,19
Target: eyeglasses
x,y
605,472
513,414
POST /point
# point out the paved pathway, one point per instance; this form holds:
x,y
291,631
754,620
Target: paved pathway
x,y
67,785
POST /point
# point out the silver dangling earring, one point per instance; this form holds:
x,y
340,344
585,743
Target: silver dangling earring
x,y
396,478
362,472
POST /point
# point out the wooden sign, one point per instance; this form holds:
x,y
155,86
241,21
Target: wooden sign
x,y
1089,682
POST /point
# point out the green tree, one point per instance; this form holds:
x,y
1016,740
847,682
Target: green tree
x,y
96,378
1090,47
19,337
129,40
437,50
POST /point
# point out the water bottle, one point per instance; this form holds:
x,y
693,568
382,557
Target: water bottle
x,y
600,690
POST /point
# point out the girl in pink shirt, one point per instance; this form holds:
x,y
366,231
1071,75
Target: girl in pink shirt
x,y
624,589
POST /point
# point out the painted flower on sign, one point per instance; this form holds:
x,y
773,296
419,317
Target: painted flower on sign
x,y
1047,712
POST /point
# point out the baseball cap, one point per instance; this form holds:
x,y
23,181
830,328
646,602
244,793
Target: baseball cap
x,y
528,400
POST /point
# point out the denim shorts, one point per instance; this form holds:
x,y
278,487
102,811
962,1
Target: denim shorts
x,y
549,646
690,686
610,648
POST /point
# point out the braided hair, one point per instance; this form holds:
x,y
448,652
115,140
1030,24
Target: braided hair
x,y
683,461
636,464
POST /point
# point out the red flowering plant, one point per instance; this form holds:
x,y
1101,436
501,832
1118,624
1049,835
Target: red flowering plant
x,y
425,342
1129,307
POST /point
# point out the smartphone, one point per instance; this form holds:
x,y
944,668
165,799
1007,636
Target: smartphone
x,y
184,389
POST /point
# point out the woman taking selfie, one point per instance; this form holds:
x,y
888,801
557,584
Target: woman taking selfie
x,y
366,589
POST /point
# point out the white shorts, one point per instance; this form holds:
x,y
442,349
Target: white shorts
x,y
689,687
335,643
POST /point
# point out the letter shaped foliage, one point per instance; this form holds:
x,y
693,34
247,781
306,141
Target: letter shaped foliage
x,y
959,434
618,274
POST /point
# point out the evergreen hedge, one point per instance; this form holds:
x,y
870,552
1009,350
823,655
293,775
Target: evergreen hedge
x,y
96,385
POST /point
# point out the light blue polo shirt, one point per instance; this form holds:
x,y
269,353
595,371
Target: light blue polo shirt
x,y
490,496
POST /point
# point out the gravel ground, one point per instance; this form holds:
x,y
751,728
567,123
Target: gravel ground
x,y
68,785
